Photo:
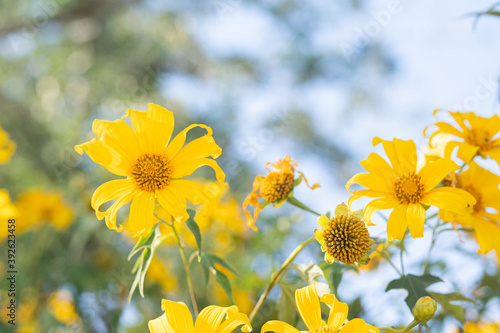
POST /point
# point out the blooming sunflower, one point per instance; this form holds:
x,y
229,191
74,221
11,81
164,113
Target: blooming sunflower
x,y
476,135
310,311
7,147
401,188
212,319
276,187
152,164
344,237
485,217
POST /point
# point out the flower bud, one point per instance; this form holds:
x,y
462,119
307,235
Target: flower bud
x,y
424,309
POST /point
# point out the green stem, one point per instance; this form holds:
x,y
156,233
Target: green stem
x,y
276,277
390,262
186,268
299,204
401,254
433,242
406,329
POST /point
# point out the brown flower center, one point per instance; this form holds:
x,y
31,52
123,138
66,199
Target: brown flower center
x,y
478,207
409,189
152,172
480,138
276,185
346,238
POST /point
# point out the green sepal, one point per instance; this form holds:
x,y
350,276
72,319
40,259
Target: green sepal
x,y
341,209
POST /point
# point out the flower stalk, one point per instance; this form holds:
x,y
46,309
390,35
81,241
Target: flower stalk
x,y
276,277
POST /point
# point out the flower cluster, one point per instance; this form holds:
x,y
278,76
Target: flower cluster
x,y
153,167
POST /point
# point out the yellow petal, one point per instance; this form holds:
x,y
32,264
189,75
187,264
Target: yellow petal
x,y
328,256
198,148
192,191
233,321
358,326
338,311
211,317
401,153
448,198
153,128
318,234
160,125
375,164
376,205
160,325
175,146
278,327
434,172
105,156
415,218
186,168
370,181
309,307
141,218
323,221
121,190
119,136
396,225
178,316
173,202
365,193
466,151
487,235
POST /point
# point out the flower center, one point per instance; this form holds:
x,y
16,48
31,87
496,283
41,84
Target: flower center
x,y
276,185
409,189
480,138
347,239
322,329
152,172
478,207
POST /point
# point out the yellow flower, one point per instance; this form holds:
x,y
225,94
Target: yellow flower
x,y
153,167
344,237
7,147
475,134
310,311
212,319
485,217
401,188
470,327
160,273
47,206
62,306
275,187
7,211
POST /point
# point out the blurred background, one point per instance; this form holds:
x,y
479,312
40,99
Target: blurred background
x,y
313,79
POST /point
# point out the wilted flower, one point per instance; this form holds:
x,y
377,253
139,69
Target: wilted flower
x,y
276,187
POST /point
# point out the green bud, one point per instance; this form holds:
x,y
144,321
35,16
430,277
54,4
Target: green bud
x,y
424,309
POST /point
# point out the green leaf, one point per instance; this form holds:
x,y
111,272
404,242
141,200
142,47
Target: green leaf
x,y
205,265
447,308
195,230
214,259
223,281
308,272
415,285
286,303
